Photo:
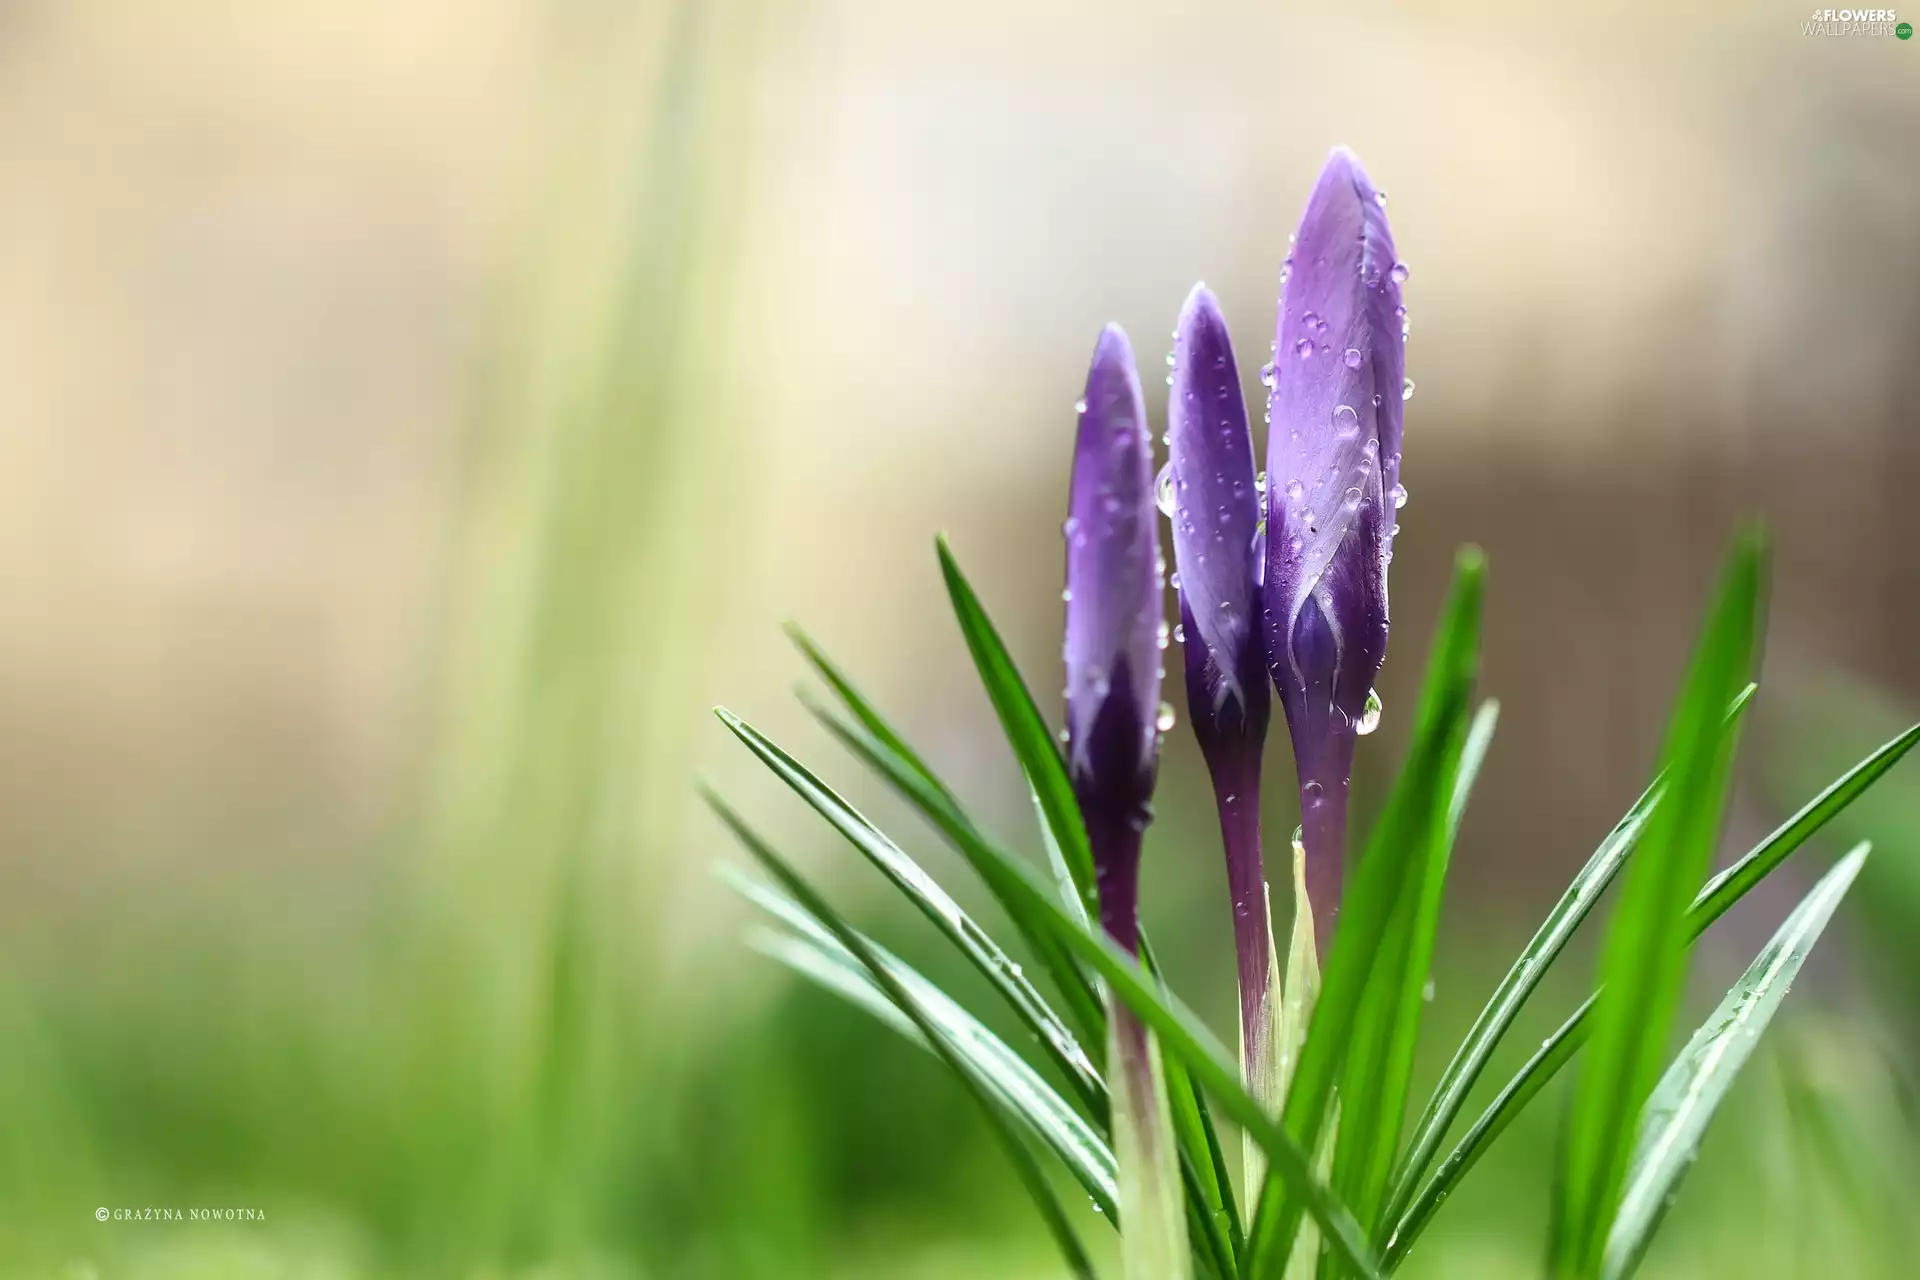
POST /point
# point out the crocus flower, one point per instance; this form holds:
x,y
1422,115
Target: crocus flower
x,y
1211,494
1114,625
1333,459
1115,631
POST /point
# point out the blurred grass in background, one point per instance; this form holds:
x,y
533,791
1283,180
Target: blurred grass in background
x,y
418,415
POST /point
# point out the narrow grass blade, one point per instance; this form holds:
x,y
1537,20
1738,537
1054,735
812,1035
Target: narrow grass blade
x,y
1379,1069
938,906
865,712
1684,1101
1031,1176
1643,959
1709,905
1033,743
1401,840
1010,883
818,955
1457,1081
924,791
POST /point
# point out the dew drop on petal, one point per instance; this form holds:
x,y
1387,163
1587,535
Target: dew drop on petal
x,y
1163,491
1164,721
1266,374
1303,348
1369,715
1180,633
1346,421
1071,527
1311,792
1174,581
1260,483
1406,389
1066,593
1080,406
1399,495
1353,357
1351,497
1399,273
1294,490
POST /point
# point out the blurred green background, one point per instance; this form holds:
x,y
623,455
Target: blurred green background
x,y
416,415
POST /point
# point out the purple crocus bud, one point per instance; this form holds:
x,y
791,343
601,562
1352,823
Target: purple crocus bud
x,y
1115,631
1114,625
1210,492
1333,459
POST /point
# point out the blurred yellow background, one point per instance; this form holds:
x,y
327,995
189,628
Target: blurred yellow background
x,y
417,415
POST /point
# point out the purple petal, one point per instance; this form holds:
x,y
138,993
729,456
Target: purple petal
x,y
1333,458
1218,541
1113,588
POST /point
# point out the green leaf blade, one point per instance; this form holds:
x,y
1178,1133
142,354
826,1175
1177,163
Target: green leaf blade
x,y
1034,745
1038,1189
1643,963
1684,1102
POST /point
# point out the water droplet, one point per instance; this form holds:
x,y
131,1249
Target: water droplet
x,y
1346,421
1399,273
1369,714
1180,632
1353,357
1080,406
1376,399
1380,198
1311,320
1164,721
1406,389
1170,356
1393,532
1163,490
1399,495
1294,490
1303,348
1071,527
1164,634
1311,792
1226,608
1174,581
1351,497
1066,593
1260,483
1294,544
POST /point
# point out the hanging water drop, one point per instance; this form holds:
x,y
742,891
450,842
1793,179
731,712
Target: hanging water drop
x,y
1406,389
1369,714
1399,273
1164,721
1163,490
1080,406
1180,633
1399,495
